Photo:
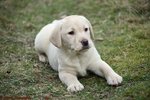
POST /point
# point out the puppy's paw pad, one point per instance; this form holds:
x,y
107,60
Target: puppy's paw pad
x,y
114,79
75,87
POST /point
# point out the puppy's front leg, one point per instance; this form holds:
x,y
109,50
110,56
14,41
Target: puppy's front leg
x,y
101,68
71,81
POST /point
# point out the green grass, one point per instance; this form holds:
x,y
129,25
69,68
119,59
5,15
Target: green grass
x,y
124,26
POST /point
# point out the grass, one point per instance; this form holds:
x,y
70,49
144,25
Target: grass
x,y
123,25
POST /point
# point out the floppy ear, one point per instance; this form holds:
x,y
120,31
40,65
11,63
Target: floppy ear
x,y
91,30
55,37
90,26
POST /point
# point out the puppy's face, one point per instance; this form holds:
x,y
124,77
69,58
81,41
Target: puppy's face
x,y
75,33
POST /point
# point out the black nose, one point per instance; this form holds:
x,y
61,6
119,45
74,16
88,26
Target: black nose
x,y
85,43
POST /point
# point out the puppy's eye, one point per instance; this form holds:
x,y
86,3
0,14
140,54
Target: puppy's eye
x,y
71,33
85,29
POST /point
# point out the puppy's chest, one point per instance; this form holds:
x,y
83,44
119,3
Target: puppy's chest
x,y
81,68
79,65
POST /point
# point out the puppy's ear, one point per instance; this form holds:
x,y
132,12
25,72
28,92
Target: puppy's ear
x,y
90,26
55,37
91,30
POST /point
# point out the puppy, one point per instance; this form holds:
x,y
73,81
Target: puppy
x,y
68,46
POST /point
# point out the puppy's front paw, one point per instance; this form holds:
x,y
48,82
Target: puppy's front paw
x,y
114,79
75,87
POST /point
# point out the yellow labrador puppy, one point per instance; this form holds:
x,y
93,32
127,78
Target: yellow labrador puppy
x,y
68,45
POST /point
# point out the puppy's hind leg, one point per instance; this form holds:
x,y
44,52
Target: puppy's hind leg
x,y
42,57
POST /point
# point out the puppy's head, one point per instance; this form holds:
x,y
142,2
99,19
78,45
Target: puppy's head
x,y
73,32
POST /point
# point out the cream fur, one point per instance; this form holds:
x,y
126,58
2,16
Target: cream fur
x,y
66,55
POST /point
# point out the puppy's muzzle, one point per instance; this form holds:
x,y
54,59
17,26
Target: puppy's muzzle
x,y
85,44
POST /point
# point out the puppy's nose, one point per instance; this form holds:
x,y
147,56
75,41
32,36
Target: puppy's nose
x,y
85,43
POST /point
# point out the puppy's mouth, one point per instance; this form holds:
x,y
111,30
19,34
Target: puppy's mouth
x,y
84,49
